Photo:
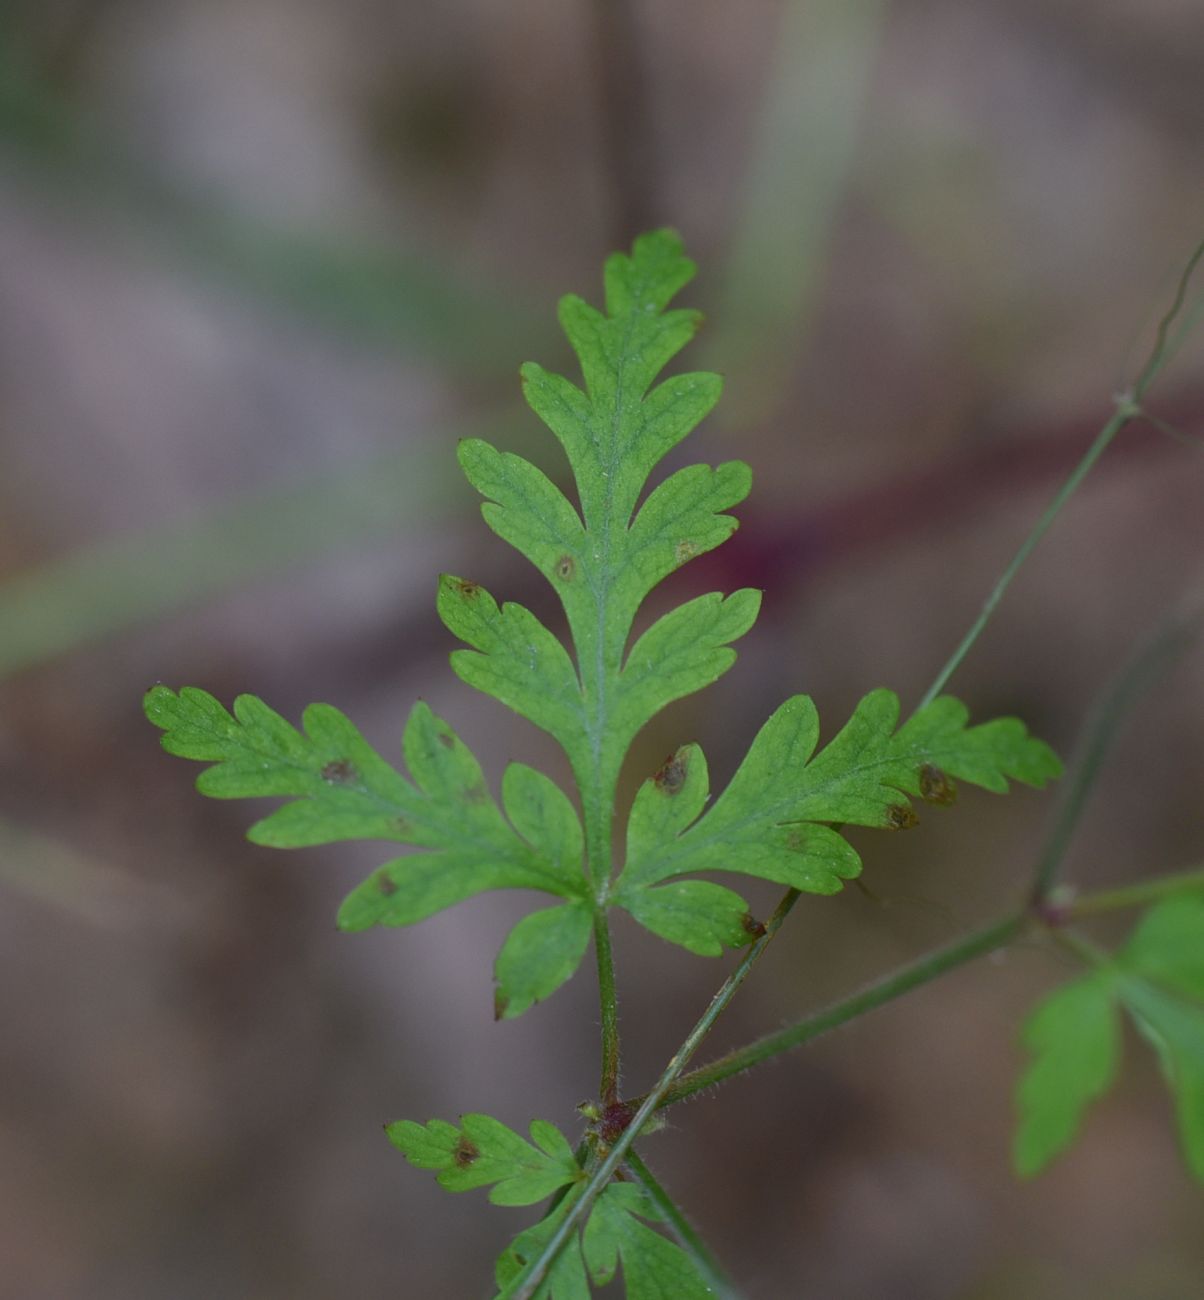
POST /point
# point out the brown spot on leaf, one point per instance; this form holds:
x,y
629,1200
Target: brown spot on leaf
x,y
685,550
476,793
340,772
465,1153
566,568
752,927
446,739
935,786
899,817
386,885
796,839
469,590
672,774
401,825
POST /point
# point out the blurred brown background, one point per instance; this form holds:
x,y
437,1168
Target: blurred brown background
x,y
261,263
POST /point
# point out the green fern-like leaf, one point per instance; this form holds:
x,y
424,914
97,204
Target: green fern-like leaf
x,y
484,1152
602,554
775,818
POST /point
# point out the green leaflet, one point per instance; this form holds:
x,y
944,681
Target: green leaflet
x,y
773,819
654,1268
483,1151
601,561
1073,1035
1163,990
343,790
543,950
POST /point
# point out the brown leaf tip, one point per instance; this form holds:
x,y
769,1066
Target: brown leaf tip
x,y
500,1003
935,786
672,774
899,817
752,927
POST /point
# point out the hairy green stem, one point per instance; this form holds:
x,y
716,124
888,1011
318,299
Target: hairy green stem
x,y
1141,671
687,1236
526,1283
922,971
608,1088
1139,894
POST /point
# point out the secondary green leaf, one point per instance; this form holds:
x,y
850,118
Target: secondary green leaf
x,y
774,819
1167,946
654,1268
1163,990
484,1151
1074,1036
343,790
1158,977
566,1279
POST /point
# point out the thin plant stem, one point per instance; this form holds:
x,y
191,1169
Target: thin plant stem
x,y
922,971
687,1237
1161,353
608,1088
1137,895
1113,707
526,1283
1127,409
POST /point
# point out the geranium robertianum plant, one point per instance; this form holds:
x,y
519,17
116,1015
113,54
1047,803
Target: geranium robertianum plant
x,y
780,818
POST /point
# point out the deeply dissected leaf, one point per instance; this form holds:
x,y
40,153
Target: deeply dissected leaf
x,y
600,560
654,1268
775,819
566,1279
341,789
484,1151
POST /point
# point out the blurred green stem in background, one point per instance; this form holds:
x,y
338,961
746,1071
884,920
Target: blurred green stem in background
x,y
138,579
806,140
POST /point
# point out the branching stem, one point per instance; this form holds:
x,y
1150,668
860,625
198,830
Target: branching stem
x,y
1137,895
1142,670
922,971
